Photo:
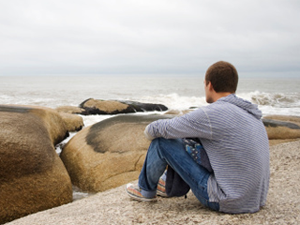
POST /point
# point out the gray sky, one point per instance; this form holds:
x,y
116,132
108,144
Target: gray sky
x,y
260,37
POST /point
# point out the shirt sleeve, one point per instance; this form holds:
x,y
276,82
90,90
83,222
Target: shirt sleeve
x,y
147,134
193,124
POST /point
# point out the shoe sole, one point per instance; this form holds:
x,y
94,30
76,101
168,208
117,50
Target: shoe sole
x,y
141,199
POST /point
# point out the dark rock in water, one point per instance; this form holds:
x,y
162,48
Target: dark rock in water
x,y
94,106
145,107
32,176
109,153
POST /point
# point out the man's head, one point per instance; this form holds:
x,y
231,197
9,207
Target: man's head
x,y
222,77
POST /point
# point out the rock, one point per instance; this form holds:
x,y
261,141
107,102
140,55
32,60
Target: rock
x,y
72,122
292,119
282,127
69,109
145,107
95,106
176,112
32,176
109,153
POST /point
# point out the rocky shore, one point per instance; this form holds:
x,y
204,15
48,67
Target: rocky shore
x,y
103,157
114,206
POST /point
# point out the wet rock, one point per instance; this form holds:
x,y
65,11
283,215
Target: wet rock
x,y
94,106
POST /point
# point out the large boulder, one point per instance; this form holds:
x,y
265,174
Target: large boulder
x,y
109,153
291,119
32,176
96,106
282,127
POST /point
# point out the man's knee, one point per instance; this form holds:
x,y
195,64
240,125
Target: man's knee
x,y
163,144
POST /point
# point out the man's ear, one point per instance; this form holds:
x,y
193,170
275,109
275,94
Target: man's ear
x,y
210,87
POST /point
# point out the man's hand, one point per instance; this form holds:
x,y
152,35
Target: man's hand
x,y
147,135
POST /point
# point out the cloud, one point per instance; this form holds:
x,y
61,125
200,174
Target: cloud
x,y
158,36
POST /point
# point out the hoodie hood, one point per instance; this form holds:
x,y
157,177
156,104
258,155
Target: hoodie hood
x,y
243,104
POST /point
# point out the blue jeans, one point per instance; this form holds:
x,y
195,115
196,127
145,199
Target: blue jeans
x,y
163,152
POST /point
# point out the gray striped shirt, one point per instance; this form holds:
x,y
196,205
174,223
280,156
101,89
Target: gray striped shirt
x,y
236,142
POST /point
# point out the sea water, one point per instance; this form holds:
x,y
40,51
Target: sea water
x,y
273,96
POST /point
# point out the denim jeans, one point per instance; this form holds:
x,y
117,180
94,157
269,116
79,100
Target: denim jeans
x,y
163,152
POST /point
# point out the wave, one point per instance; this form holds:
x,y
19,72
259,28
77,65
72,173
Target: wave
x,y
278,100
275,103
175,101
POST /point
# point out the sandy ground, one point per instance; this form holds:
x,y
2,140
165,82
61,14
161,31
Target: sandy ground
x,y
115,207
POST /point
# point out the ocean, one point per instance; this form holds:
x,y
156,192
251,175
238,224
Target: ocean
x,y
273,96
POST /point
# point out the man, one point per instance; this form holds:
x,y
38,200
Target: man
x,y
234,177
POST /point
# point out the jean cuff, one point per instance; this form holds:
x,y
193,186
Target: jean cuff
x,y
148,194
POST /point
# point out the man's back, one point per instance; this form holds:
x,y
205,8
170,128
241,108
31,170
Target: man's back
x,y
239,154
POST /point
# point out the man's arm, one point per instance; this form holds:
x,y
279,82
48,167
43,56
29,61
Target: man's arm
x,y
147,134
193,124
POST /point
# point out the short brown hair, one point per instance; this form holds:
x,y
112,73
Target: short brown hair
x,y
223,77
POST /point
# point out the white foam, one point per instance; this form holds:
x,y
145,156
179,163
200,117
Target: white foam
x,y
92,119
275,103
175,101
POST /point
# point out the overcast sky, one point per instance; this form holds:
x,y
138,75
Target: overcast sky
x,y
260,37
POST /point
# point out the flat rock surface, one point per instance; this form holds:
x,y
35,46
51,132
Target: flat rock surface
x,y
115,207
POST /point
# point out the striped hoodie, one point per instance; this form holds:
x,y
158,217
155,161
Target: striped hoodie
x,y
236,142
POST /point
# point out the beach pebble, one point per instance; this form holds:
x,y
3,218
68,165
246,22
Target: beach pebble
x,y
32,176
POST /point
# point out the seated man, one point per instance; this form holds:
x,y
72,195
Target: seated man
x,y
235,175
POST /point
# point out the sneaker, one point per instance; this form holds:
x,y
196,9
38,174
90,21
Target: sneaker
x,y
135,192
161,188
